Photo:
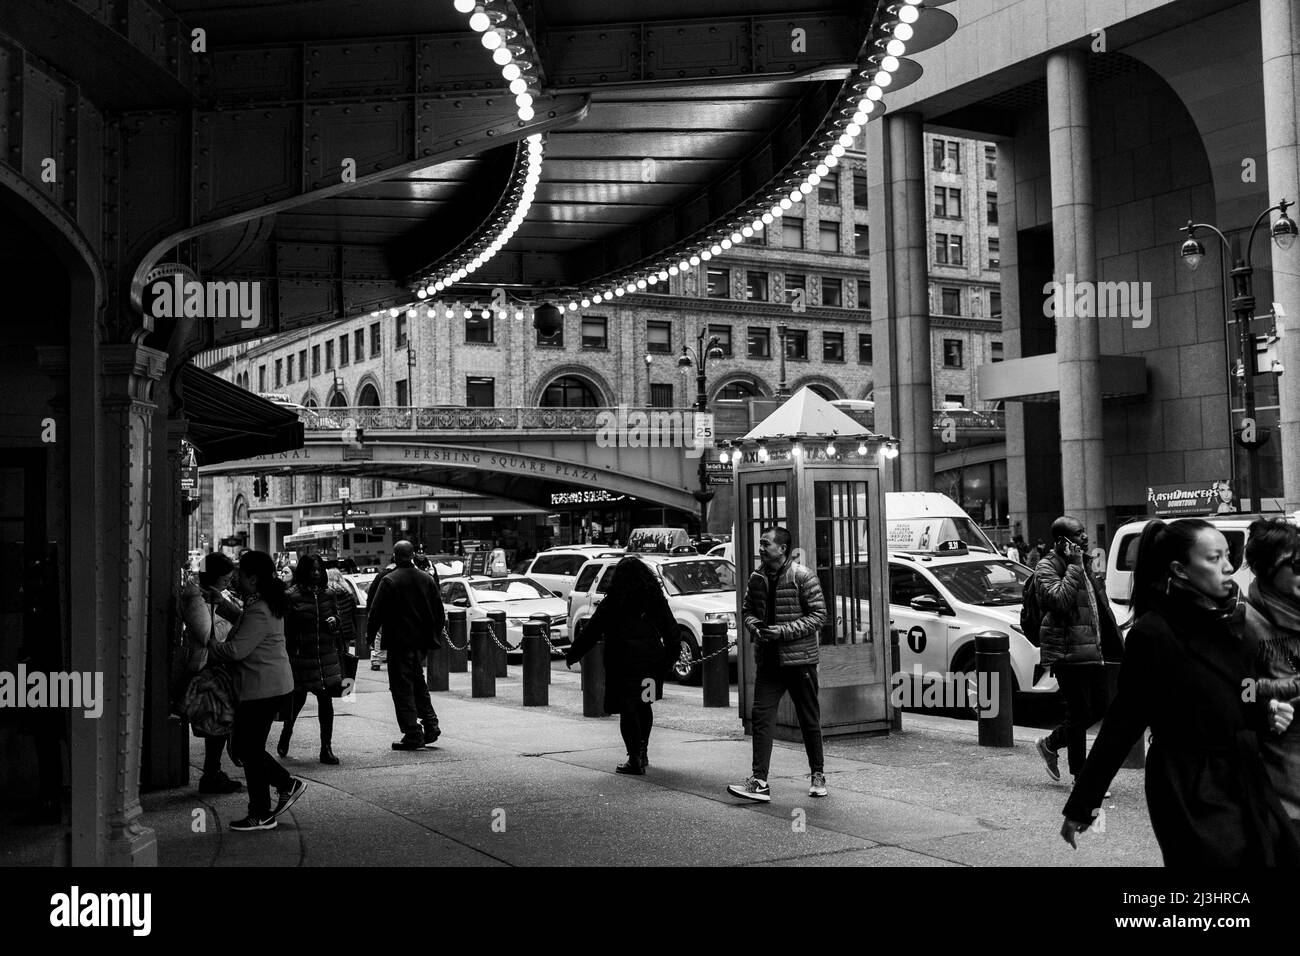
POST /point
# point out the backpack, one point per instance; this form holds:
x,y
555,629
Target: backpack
x,y
1031,616
209,702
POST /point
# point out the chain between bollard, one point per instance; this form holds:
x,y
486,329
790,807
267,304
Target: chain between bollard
x,y
446,636
721,650
506,646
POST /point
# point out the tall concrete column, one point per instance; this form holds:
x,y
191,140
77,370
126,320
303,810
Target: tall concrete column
x,y
1078,340
900,299
117,648
1280,29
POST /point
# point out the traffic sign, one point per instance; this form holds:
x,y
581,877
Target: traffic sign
x,y
703,428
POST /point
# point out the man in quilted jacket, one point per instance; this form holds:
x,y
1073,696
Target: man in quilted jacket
x,y
784,612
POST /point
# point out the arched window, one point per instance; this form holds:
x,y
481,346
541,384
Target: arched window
x,y
338,401
570,391
736,392
825,392
369,396
309,403
240,514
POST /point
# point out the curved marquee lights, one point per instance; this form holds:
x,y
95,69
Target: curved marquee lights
x,y
784,447
860,98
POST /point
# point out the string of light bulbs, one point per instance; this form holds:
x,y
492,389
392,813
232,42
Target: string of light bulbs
x,y
886,446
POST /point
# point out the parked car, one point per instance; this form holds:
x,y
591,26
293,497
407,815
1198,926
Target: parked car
x,y
557,568
522,598
359,584
939,601
699,588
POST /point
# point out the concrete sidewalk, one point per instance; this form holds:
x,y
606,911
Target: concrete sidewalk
x,y
508,785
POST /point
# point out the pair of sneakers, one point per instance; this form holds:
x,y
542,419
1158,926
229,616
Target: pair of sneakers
x,y
1051,761
758,790
287,799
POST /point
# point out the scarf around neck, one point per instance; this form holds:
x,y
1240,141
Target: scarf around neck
x,y
1281,643
1230,611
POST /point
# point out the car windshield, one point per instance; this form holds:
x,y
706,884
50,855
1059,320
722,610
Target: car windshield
x,y
520,589
984,583
698,577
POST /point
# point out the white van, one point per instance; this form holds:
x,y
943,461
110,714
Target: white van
x,y
921,520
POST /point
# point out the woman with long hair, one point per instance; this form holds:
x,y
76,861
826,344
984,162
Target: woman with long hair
x,y
1273,553
314,634
263,685
1187,662
641,642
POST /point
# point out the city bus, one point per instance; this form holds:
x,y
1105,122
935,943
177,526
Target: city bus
x,y
368,547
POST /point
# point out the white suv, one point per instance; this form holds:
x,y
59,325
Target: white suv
x,y
700,589
557,568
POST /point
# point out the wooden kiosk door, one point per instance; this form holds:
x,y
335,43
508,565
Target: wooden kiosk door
x,y
837,525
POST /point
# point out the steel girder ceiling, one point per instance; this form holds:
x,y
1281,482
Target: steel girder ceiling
x,y
719,102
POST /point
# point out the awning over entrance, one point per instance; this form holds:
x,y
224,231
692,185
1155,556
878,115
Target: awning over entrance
x,y
227,423
1037,379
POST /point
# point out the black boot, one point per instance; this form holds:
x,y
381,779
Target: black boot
x,y
282,748
645,754
633,766
327,755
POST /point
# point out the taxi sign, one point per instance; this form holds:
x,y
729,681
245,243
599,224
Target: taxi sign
x,y
951,548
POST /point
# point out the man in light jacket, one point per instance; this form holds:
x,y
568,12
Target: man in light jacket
x,y
784,612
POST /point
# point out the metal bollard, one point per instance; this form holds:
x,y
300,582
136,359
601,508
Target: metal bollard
x,y
436,667
593,679
895,678
1137,757
458,634
544,619
483,678
498,619
993,658
537,665
362,645
716,679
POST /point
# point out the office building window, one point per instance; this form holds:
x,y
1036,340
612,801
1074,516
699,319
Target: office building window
x,y
794,280
951,301
401,331
403,393
828,190
315,359
736,392
864,296
343,350
261,378
302,363
990,162
947,155
947,202
659,337
828,236
948,249
860,189
719,283
756,286
553,341
995,254
661,396
991,208
995,305
995,352
329,355
952,357
861,241
832,346
796,344
279,373
832,291
760,343
594,332
359,344
864,348
375,339
289,368
479,329
723,333
480,392
791,233
569,391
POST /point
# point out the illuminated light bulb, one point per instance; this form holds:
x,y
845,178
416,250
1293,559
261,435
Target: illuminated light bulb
x,y
673,270
573,307
874,93
480,22
907,14
492,40
640,283
785,204
524,99
890,64
895,47
814,179
501,56
795,196
393,312
695,260
511,74
768,217
845,141
410,313
837,150
421,294
519,315
663,275
882,78
822,169
762,453
464,6
715,249
747,231
853,129
429,312
526,113
757,224
723,457
485,314
706,255
862,449
598,298
469,314
805,188
735,238
796,449
585,303
618,291
903,31
448,313
685,265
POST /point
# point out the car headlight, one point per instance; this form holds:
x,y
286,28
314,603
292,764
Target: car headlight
x,y
726,617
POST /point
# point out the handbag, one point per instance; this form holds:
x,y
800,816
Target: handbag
x,y
209,702
348,662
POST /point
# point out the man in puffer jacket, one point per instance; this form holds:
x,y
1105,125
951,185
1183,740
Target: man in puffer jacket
x,y
1077,636
784,612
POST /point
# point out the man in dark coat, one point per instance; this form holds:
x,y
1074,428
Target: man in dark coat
x,y
408,607
784,612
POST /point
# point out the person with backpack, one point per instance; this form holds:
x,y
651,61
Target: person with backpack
x,y
1077,635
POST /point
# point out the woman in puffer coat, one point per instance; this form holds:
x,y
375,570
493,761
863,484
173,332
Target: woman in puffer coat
x,y
641,643
314,631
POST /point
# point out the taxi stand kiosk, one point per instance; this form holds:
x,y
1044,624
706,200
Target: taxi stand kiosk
x,y
814,470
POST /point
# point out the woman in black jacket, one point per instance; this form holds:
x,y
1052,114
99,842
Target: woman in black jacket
x,y
641,643
1188,664
314,632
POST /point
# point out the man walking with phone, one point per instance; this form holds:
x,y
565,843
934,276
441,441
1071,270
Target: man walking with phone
x,y
1078,635
784,612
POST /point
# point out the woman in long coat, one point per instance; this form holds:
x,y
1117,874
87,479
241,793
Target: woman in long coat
x,y
641,643
1186,663
314,633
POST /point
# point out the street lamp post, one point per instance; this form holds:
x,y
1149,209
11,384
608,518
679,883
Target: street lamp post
x,y
782,390
702,353
1283,232
410,383
649,389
